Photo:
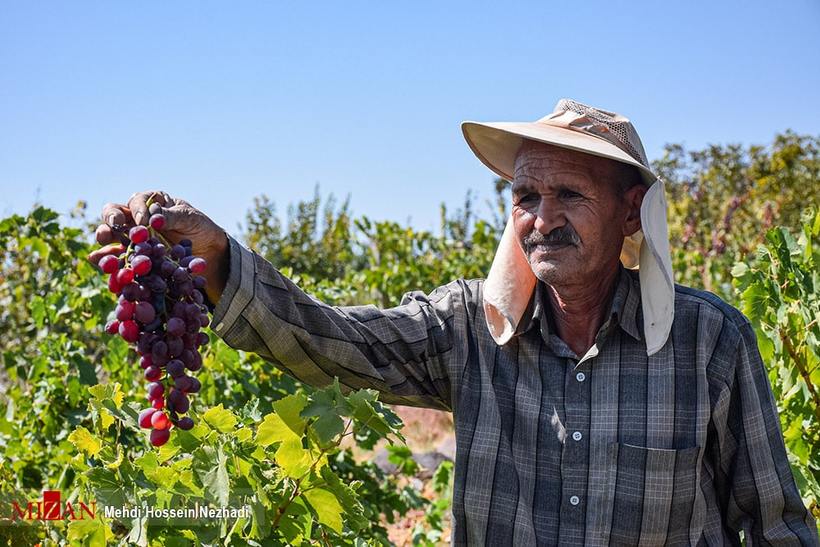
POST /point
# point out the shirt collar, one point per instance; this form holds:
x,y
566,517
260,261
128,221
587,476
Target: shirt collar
x,y
625,308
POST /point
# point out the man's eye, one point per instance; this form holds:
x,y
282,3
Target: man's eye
x,y
529,198
569,194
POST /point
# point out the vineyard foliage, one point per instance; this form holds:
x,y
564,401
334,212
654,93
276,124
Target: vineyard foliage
x,y
741,225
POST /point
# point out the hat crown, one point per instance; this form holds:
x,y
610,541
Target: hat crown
x,y
610,126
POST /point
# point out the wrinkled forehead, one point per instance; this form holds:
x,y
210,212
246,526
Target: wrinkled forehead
x,y
537,162
535,156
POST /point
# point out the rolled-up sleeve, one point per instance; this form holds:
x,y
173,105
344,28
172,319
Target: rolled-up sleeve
x,y
408,353
755,480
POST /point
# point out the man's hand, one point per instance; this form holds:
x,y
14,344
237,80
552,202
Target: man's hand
x,y
182,221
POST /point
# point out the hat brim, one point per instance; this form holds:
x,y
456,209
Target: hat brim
x,y
496,144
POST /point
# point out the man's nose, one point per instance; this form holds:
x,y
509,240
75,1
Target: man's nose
x,y
548,217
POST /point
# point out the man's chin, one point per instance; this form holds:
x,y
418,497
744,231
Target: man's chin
x,y
549,271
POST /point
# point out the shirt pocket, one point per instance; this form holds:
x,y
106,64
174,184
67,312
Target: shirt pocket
x,y
651,494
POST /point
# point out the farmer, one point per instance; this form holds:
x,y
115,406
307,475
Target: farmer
x,y
595,402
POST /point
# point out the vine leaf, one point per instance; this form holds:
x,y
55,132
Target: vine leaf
x,y
327,507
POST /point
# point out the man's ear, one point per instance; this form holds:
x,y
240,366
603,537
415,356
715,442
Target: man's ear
x,y
633,198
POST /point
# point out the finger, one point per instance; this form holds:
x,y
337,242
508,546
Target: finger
x,y
138,204
115,214
104,234
114,248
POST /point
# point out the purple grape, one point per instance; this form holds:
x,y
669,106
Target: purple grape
x,y
143,249
186,288
178,252
181,275
185,423
196,362
175,368
131,292
145,342
155,390
197,296
202,339
154,325
167,268
160,349
179,310
199,282
175,346
145,313
182,383
178,401
145,293
196,385
176,326
186,357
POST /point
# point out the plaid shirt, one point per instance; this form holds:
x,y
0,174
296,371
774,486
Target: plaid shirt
x,y
683,447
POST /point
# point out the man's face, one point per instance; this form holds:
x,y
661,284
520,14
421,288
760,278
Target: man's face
x,y
569,214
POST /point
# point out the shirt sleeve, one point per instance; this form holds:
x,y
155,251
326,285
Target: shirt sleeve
x,y
408,353
754,479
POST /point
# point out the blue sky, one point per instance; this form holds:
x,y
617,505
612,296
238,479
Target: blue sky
x,y
218,102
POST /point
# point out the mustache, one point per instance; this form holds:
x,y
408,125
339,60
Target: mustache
x,y
565,235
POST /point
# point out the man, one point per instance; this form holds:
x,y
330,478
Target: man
x,y
593,404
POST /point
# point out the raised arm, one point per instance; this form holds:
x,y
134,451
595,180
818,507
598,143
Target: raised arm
x,y
410,353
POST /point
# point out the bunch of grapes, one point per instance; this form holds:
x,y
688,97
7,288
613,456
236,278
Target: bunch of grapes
x,y
161,311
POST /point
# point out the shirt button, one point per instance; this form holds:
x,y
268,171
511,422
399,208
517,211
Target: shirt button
x,y
574,500
577,435
580,376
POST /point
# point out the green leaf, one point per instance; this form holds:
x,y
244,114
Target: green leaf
x,y
88,532
739,269
103,392
107,488
220,419
328,426
442,476
273,429
288,408
292,458
347,497
327,507
210,466
85,441
401,456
